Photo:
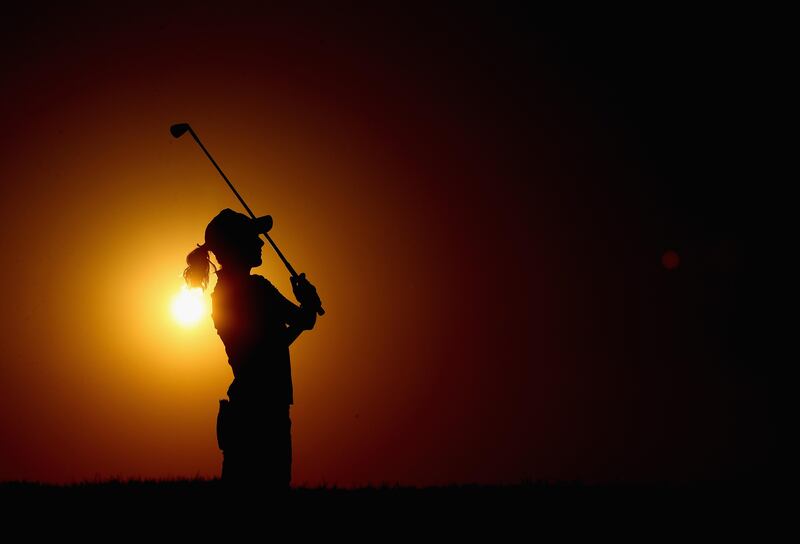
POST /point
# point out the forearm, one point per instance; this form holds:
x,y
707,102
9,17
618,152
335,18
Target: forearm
x,y
305,320
291,334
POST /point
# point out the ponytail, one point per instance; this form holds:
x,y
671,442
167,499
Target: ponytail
x,y
196,274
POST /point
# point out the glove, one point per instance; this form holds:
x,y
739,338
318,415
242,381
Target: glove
x,y
305,293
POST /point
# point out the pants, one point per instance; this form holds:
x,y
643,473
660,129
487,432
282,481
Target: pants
x,y
256,444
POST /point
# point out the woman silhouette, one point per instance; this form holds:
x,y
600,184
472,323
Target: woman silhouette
x,y
257,324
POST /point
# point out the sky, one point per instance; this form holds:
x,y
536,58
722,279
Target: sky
x,y
483,206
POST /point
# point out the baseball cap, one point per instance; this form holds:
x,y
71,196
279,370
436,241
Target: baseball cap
x,y
230,227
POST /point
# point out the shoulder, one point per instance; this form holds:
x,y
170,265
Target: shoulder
x,y
261,281
258,278
262,284
269,291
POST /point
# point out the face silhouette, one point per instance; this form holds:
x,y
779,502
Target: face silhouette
x,y
251,251
246,253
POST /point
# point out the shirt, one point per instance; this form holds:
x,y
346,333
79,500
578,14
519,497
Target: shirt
x,y
251,317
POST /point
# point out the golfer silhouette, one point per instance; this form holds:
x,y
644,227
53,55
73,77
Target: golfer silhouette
x,y
257,324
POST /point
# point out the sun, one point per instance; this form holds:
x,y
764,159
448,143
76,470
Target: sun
x,y
188,306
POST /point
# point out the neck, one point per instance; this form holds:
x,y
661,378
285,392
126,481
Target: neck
x,y
235,271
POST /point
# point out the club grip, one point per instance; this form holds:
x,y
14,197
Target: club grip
x,y
296,278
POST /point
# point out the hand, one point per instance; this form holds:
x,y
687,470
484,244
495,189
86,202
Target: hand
x,y
305,293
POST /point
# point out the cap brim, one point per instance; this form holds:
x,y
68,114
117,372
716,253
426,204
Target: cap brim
x,y
263,224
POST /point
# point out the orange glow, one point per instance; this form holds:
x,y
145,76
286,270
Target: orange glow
x,y
376,204
446,192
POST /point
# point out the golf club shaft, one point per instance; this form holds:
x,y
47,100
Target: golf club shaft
x,y
246,207
289,267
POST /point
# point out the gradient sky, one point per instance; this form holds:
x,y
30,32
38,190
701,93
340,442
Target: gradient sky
x,y
483,209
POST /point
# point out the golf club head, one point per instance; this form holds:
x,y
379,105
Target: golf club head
x,y
178,130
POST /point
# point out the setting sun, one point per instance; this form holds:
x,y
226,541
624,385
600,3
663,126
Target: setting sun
x,y
188,306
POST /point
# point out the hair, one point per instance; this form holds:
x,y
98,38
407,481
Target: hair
x,y
196,274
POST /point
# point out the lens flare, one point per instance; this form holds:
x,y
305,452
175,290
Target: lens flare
x,y
188,306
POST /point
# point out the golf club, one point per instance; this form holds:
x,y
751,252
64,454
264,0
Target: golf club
x,y
179,130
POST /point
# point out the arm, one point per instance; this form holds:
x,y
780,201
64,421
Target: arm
x,y
299,318
303,319
296,318
306,316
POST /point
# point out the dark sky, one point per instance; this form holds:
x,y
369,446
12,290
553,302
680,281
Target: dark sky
x,y
483,205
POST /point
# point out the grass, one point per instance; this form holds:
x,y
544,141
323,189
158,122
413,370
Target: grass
x,y
385,511
199,489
